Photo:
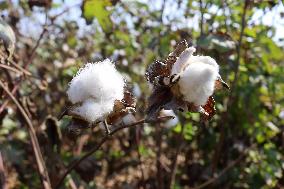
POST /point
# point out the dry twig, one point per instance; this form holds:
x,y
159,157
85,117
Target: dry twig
x,y
35,145
2,174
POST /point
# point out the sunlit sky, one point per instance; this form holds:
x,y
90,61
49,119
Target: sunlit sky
x,y
32,26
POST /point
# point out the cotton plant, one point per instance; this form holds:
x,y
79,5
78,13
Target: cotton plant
x,y
185,82
98,94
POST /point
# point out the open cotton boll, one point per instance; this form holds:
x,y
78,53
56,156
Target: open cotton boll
x,y
100,81
197,82
96,87
92,111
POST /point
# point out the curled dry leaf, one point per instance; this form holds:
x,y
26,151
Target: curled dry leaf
x,y
88,169
75,128
122,107
209,108
53,132
159,70
166,90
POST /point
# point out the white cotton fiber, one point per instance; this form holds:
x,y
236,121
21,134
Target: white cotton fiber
x,y
197,82
182,60
92,110
98,80
171,122
96,86
197,76
204,59
186,58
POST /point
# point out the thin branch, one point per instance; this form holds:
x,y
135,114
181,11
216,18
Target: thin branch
x,y
53,18
2,174
202,17
5,103
202,9
239,46
16,65
36,148
44,30
11,69
162,11
98,146
233,87
17,85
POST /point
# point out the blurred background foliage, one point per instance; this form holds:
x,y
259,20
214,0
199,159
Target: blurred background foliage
x,y
241,147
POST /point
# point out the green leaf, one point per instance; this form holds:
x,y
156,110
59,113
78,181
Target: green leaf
x,y
98,9
7,37
177,128
189,131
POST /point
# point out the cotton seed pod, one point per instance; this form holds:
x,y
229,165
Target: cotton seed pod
x,y
184,82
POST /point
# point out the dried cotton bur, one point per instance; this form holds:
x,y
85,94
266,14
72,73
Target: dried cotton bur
x,y
184,82
98,94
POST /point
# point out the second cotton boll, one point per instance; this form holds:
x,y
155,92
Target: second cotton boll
x,y
198,75
95,88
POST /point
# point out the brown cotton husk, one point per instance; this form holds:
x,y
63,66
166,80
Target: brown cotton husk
x,y
122,108
157,73
209,108
220,84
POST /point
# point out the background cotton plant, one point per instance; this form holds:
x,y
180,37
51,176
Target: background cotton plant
x,y
94,90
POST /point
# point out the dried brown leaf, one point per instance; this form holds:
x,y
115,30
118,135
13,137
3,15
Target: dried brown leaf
x,y
159,74
122,108
155,70
160,69
209,108
88,168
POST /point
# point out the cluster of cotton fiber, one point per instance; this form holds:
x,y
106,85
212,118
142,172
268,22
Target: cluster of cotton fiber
x,y
171,122
95,88
197,76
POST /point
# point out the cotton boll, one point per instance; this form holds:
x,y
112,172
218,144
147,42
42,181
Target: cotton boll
x,y
100,81
182,60
96,87
197,82
92,110
204,59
